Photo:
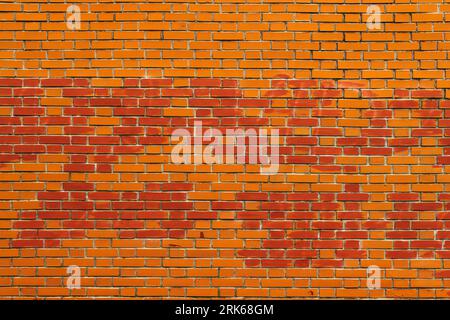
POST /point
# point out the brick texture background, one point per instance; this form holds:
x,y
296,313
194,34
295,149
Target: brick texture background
x,y
86,176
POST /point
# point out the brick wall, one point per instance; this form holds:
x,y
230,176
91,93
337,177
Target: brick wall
x,y
87,179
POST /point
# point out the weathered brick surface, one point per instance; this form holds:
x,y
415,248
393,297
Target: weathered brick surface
x,y
86,176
